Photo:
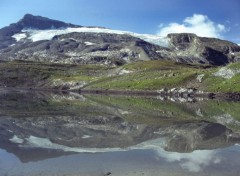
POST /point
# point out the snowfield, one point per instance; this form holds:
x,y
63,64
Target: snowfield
x,y
19,36
37,35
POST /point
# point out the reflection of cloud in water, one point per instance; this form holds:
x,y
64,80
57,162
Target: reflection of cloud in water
x,y
193,162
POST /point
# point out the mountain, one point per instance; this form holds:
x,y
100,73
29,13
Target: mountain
x,y
38,38
28,22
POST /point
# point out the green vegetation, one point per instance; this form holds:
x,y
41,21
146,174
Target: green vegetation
x,y
221,84
43,75
144,75
150,75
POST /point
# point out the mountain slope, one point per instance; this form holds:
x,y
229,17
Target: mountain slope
x,y
28,21
204,50
38,38
40,53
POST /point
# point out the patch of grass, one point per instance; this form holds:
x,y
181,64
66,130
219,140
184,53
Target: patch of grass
x,y
218,84
152,65
149,75
235,65
147,80
38,74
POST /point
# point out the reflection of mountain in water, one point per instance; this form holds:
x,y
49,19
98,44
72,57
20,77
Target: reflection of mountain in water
x,y
35,126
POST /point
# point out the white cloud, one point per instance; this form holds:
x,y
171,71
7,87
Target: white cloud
x,y
198,24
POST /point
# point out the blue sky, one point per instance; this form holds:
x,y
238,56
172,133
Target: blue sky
x,y
214,18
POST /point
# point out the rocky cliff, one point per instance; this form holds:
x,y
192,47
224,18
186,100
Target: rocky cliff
x,y
191,48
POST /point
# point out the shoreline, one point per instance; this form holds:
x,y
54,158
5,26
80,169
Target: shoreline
x,y
207,95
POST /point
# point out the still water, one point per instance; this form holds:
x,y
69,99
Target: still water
x,y
50,134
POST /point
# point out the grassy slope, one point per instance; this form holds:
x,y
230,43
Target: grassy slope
x,y
43,75
219,84
148,75
155,75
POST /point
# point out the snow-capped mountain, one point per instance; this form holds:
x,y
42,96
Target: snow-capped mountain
x,y
42,39
28,22
37,35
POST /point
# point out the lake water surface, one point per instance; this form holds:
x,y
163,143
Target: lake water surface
x,y
52,134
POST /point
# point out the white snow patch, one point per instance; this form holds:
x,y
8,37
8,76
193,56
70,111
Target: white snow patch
x,y
16,140
19,36
86,136
89,43
123,71
37,35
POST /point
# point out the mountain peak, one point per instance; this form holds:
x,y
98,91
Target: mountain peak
x,y
28,15
39,22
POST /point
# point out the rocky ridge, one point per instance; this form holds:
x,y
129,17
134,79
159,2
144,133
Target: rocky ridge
x,y
105,46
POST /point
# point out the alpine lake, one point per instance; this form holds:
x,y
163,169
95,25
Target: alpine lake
x,y
70,134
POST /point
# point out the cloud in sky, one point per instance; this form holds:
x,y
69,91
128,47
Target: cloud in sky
x,y
198,24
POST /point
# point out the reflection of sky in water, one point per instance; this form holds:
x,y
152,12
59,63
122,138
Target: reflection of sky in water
x,y
153,160
7,162
193,162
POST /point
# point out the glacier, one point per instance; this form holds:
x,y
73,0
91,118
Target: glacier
x,y
38,35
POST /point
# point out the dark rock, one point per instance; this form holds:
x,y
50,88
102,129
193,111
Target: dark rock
x,y
112,49
38,22
203,50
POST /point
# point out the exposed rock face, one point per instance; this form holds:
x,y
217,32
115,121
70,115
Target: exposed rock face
x,y
108,47
84,48
193,49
